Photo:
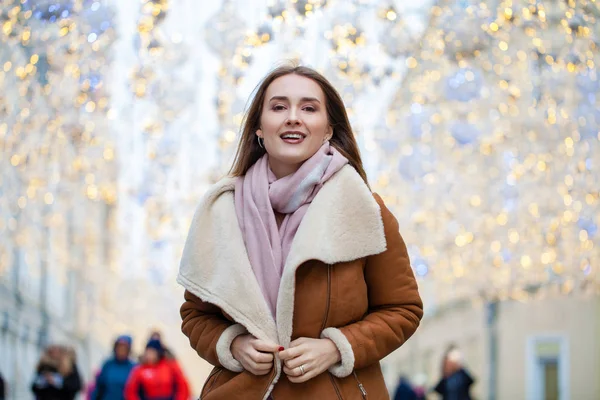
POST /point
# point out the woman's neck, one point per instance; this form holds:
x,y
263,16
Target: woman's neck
x,y
281,169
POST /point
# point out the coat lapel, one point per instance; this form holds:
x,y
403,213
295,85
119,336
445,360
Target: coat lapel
x,y
343,223
215,265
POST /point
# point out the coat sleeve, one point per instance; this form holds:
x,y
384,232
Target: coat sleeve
x,y
72,383
100,384
182,391
395,307
209,332
132,387
441,387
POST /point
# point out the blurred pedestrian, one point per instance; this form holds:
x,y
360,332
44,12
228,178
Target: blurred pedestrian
x,y
70,372
156,379
157,335
91,386
171,359
456,381
419,385
110,384
2,388
57,377
404,390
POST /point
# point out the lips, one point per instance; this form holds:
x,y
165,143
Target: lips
x,y
293,137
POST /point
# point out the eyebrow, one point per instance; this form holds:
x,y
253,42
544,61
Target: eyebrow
x,y
287,99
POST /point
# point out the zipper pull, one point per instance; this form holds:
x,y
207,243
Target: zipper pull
x,y
362,390
360,386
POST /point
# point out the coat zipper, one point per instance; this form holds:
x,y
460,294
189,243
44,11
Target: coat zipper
x,y
270,382
323,326
331,378
337,391
215,374
360,386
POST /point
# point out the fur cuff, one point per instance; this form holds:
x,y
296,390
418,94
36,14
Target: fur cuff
x,y
224,348
346,366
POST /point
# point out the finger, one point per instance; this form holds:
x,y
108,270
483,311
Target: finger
x,y
302,378
290,353
296,362
296,371
263,345
259,372
257,367
259,357
297,342
264,366
291,372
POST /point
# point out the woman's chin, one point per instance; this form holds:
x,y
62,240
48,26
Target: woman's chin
x,y
291,158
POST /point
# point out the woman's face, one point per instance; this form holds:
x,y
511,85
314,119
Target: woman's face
x,y
151,356
54,352
293,122
122,351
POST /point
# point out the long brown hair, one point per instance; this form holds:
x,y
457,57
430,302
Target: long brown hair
x,y
248,150
57,357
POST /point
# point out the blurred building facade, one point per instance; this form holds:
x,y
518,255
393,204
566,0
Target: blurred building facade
x,y
43,301
541,349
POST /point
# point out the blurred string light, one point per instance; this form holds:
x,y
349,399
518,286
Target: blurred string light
x,y
493,139
487,154
227,35
396,38
498,104
57,189
346,50
61,194
162,94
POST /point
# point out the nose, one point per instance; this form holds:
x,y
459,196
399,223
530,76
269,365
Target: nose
x,y
292,119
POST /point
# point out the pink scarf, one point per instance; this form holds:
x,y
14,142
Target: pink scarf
x,y
259,192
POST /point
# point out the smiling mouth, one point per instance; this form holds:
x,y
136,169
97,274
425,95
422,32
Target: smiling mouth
x,y
295,136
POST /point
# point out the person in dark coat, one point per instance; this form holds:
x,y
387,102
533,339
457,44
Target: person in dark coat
x,y
2,388
57,377
72,378
110,384
456,381
48,382
404,391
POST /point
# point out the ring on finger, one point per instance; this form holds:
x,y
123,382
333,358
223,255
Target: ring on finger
x,y
302,369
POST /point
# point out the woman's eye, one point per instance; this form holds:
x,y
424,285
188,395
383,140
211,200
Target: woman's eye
x,y
278,107
309,109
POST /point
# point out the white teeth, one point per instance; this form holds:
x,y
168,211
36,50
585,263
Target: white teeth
x,y
292,136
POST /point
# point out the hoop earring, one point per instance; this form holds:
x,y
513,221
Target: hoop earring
x,y
261,142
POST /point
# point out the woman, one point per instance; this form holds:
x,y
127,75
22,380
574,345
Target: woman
x,y
456,382
2,388
110,383
57,377
170,358
297,280
70,372
156,379
90,389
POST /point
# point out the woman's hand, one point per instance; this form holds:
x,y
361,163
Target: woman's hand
x,y
314,355
256,356
50,378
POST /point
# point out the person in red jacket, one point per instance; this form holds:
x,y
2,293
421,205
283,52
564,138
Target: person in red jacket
x,y
170,357
156,379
